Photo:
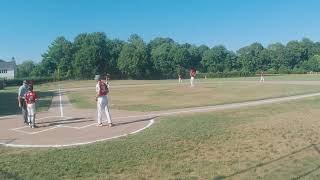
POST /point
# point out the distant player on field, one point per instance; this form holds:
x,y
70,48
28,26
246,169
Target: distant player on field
x,y
193,73
102,101
108,80
261,77
31,98
180,78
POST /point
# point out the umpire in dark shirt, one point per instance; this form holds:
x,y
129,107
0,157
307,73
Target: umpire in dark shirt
x,y
21,100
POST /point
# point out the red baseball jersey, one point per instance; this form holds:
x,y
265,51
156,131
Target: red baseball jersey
x,y
31,97
103,88
193,72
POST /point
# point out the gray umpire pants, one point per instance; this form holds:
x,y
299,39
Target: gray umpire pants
x,y
24,110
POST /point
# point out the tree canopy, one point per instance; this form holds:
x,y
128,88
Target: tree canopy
x,y
94,53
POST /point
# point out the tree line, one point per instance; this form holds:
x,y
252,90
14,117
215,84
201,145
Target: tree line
x,y
93,53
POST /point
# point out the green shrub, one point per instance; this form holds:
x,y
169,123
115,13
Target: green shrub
x,y
18,81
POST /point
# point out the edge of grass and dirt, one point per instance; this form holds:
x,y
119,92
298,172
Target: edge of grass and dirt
x,y
249,142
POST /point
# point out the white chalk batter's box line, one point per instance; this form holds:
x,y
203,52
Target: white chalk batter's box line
x,y
19,129
81,143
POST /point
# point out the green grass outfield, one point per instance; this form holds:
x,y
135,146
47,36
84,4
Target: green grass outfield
x,y
264,142
284,77
173,96
165,94
89,83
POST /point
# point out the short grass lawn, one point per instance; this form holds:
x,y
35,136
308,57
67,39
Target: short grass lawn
x,y
276,142
90,83
164,97
284,77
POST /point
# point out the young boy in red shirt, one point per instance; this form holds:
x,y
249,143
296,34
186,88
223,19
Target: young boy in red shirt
x,y
31,98
102,102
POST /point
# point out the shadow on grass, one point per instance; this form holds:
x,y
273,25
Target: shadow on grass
x,y
9,103
314,146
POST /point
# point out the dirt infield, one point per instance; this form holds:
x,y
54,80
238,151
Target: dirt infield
x,y
63,125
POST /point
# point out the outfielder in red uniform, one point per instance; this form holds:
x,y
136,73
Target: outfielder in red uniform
x,y
193,73
31,99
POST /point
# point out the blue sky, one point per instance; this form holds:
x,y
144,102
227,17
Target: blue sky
x,y
27,27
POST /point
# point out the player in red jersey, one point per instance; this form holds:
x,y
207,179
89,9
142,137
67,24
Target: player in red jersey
x,y
31,99
102,101
193,73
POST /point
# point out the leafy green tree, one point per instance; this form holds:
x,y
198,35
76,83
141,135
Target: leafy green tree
x,y
133,59
38,71
158,42
25,68
114,47
295,54
313,64
162,60
231,62
250,57
58,56
277,54
170,59
182,60
195,57
91,55
217,59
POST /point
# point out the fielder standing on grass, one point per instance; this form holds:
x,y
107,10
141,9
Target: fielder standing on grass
x,y
193,73
102,101
180,78
108,80
261,77
21,100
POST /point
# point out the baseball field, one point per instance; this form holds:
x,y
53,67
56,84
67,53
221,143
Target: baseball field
x,y
235,128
